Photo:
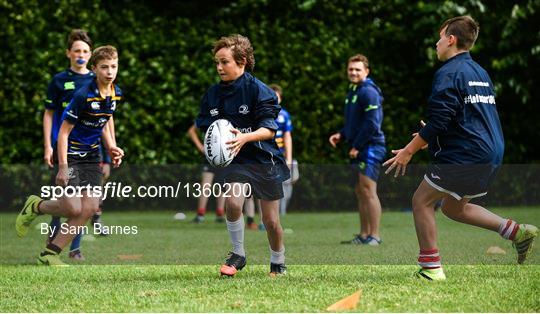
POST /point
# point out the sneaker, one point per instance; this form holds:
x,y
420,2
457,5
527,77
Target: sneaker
x,y
220,219
372,241
277,269
252,226
28,213
436,274
358,239
233,264
523,242
51,260
198,219
76,255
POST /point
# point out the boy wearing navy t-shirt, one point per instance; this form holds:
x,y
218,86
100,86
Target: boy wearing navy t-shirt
x,y
84,124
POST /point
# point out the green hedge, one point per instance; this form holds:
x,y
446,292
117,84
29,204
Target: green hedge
x,y
166,65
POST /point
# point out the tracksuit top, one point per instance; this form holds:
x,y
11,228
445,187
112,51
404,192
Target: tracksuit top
x,y
249,105
363,115
463,125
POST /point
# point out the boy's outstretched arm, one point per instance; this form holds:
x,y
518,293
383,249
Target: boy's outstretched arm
x,y
404,155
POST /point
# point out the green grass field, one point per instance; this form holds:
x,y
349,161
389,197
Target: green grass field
x,y
175,267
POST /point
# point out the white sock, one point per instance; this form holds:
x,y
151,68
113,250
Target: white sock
x,y
277,257
236,231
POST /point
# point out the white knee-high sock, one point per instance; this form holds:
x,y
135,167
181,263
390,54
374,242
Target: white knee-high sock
x,y
236,231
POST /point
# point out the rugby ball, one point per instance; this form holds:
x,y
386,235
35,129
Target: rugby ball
x,y
215,149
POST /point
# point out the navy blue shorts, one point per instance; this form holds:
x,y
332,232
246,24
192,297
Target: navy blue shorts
x,y
461,181
369,161
218,172
266,181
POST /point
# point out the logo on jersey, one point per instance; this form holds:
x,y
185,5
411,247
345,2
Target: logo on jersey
x,y
245,130
113,105
243,109
102,121
69,85
95,105
484,99
70,173
214,112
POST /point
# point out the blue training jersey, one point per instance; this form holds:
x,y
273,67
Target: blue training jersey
x,y
363,115
284,124
249,105
89,112
60,92
463,125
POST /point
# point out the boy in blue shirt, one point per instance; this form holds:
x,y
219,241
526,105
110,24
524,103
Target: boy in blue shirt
x,y
59,93
84,124
466,143
251,107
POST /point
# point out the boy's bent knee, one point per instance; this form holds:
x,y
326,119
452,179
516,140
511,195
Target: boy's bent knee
x,y
272,225
72,210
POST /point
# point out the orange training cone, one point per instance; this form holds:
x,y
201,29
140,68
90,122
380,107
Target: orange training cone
x,y
348,303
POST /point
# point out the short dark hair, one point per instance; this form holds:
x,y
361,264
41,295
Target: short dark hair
x,y
103,52
464,28
276,88
360,58
78,34
240,47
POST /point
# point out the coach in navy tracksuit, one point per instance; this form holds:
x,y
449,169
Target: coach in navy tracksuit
x,y
466,144
252,108
363,133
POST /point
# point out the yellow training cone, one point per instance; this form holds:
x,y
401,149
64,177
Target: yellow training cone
x,y
348,303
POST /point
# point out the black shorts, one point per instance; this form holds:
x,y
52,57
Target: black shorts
x,y
81,170
266,181
461,181
84,174
85,170
264,190
218,173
